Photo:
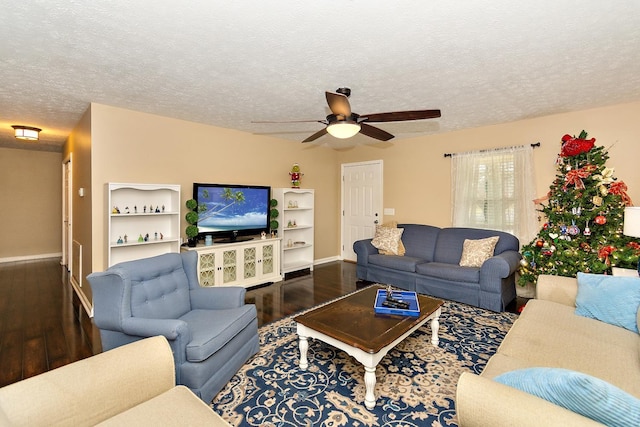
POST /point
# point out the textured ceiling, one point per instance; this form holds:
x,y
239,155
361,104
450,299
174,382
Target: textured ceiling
x,y
230,63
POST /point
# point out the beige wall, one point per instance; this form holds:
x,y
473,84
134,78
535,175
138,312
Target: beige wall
x,y
31,204
116,145
129,146
78,150
417,178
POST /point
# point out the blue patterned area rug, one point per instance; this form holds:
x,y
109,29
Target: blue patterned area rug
x,y
416,382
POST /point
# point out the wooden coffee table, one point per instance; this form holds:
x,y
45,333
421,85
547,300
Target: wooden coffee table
x,y
352,325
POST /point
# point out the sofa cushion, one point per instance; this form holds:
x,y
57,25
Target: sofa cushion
x,y
550,334
402,263
451,272
613,300
212,329
580,393
387,238
448,247
476,252
420,240
175,407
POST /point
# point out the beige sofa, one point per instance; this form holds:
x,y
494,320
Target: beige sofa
x,y
129,385
549,334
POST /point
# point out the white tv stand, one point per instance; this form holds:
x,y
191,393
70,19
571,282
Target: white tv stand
x,y
246,263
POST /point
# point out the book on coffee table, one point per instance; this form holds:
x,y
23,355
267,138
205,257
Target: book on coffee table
x,y
408,305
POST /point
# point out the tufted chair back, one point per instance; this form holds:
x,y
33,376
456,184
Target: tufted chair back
x,y
158,290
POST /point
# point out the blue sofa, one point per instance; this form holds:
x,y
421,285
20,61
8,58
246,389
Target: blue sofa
x,y
431,265
211,331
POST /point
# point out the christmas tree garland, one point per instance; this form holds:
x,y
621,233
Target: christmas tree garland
x,y
584,214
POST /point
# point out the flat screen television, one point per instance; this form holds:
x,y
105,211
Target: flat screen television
x,y
232,213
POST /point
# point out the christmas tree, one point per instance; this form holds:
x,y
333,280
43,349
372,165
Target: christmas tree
x,y
583,214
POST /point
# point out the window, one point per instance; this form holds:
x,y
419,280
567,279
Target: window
x,y
494,189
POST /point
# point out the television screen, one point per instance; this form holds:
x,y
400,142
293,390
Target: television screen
x,y
232,210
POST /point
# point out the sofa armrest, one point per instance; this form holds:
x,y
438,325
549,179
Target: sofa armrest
x,y
498,267
558,289
364,248
217,298
482,402
91,390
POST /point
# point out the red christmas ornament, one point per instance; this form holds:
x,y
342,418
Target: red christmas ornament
x,y
600,220
573,146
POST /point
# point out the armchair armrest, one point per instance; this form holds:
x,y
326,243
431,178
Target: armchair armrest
x,y
558,289
364,248
217,297
483,402
171,329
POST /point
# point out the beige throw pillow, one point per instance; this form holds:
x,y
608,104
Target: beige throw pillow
x,y
401,249
475,252
387,239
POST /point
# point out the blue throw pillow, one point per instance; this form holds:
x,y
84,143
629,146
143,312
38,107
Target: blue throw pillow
x,y
610,299
583,394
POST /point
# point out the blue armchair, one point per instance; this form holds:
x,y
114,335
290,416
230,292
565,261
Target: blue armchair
x,y
212,332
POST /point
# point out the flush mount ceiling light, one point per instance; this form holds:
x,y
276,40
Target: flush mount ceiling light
x,y
343,129
26,132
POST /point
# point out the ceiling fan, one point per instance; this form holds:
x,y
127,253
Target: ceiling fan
x,y
343,123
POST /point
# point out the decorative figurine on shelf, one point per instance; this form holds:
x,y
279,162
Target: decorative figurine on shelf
x,y
125,238
295,175
135,209
115,210
163,208
146,237
263,235
145,208
119,241
150,208
161,236
126,210
140,238
289,224
155,235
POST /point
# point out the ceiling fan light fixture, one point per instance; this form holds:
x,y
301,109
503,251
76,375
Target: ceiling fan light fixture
x,y
26,133
343,129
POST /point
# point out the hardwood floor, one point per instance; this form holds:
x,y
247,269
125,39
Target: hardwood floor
x,y
43,326
38,328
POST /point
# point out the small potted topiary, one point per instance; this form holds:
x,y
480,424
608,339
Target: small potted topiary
x,y
273,224
192,219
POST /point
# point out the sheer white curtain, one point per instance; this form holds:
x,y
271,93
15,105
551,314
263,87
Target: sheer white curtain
x,y
494,189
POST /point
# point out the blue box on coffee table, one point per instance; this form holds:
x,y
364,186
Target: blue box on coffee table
x,y
405,296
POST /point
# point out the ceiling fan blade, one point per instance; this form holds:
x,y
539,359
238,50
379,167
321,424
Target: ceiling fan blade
x,y
399,116
288,121
375,132
316,135
338,103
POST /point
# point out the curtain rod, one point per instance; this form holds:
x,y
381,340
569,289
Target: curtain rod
x,y
534,145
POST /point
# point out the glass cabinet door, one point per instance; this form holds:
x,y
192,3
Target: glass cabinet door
x,y
229,266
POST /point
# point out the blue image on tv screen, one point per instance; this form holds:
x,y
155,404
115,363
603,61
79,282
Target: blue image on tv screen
x,y
232,208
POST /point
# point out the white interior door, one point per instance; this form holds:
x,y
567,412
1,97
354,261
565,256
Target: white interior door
x,y
361,203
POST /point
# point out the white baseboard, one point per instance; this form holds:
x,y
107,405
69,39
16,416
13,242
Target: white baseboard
x,y
326,260
30,257
86,304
